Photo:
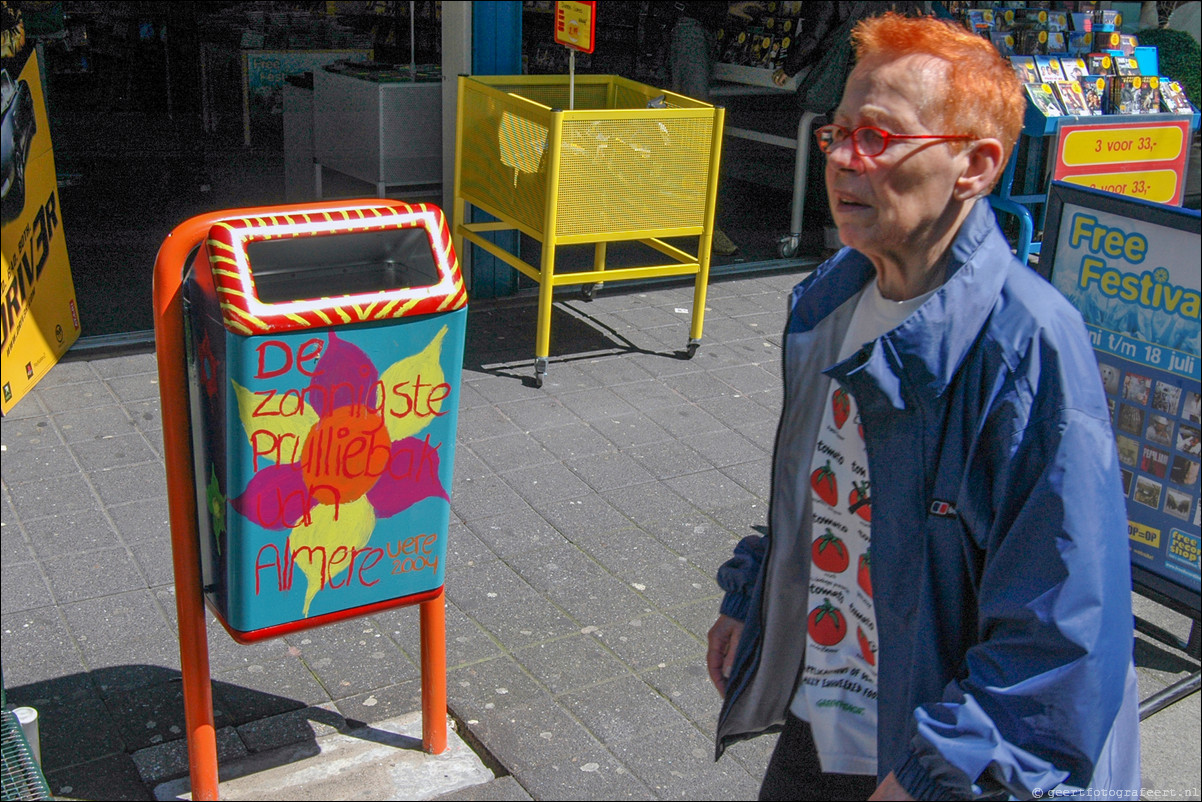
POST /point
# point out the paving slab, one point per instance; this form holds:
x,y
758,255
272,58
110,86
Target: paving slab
x,y
381,761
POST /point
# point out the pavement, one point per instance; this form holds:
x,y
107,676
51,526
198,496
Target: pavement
x,y
589,518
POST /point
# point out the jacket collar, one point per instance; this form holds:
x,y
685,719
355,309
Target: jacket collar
x,y
926,349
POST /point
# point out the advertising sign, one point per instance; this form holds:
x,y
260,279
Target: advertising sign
x,y
38,314
576,25
1143,159
1134,271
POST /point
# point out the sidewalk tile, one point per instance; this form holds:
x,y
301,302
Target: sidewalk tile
x,y
91,574
590,774
494,684
532,733
630,429
38,649
112,777
41,466
264,689
113,451
130,483
295,726
570,663
650,641
351,657
572,440
681,766
622,709
581,517
516,532
70,533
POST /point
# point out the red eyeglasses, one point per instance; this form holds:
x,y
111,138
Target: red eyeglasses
x,y
867,140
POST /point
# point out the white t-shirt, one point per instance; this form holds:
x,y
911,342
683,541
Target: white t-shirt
x,y
837,695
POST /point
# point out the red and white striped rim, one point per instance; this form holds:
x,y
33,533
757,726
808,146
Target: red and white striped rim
x,y
243,313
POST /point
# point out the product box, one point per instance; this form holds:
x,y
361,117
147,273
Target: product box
x,y
1073,68
1127,44
1173,99
1107,19
1107,41
1080,42
1125,65
1082,21
1048,68
980,21
1100,64
1133,94
1071,98
1057,43
1004,42
1093,89
1032,41
1024,67
1057,21
1044,98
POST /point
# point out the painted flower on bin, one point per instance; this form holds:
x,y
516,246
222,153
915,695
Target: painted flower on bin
x,y
331,460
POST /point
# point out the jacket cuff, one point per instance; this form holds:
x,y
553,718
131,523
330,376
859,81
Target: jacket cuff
x,y
918,783
735,605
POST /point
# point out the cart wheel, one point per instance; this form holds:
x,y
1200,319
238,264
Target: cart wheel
x,y
538,381
691,349
788,245
588,291
540,371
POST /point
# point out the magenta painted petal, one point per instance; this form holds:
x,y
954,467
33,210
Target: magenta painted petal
x,y
343,376
412,476
275,498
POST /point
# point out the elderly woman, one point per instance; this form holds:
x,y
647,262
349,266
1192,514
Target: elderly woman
x,y
942,606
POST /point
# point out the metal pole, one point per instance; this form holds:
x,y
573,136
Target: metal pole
x,y
434,674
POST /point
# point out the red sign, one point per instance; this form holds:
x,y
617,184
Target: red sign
x,y
576,25
1141,159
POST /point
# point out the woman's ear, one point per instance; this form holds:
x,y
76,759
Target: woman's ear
x,y
983,166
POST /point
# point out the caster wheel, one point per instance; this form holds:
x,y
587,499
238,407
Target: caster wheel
x,y
538,381
589,291
691,350
788,245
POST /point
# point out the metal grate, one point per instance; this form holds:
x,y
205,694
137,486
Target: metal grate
x,y
22,778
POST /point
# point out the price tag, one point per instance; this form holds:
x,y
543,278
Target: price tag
x,y
1153,185
1141,159
576,25
1122,145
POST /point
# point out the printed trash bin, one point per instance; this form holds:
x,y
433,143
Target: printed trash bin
x,y
324,351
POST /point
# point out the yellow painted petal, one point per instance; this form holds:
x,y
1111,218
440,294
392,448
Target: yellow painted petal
x,y
275,425
315,545
405,414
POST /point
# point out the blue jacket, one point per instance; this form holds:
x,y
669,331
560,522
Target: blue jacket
x,y
1000,563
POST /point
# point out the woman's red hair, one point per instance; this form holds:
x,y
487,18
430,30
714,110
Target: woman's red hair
x,y
980,94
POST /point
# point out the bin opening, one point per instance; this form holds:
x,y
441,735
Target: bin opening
x,y
343,264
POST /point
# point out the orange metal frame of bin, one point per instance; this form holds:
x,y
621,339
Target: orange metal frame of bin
x,y
181,495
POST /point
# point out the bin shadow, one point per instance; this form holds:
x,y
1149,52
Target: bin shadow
x,y
500,336
118,732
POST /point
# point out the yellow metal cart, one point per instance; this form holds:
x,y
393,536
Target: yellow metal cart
x,y
607,160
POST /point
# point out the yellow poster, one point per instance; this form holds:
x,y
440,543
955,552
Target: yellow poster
x,y
38,313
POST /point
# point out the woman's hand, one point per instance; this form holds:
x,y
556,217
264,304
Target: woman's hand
x,y
723,643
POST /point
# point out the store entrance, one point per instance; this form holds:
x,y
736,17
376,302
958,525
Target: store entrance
x,y
162,111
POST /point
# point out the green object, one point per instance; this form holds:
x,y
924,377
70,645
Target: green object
x,y
1180,56
21,777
